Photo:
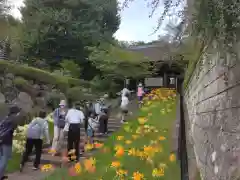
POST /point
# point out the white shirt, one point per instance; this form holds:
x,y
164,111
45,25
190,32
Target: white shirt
x,y
125,91
124,102
97,107
74,116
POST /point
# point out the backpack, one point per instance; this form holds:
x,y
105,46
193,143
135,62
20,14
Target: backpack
x,y
5,128
35,131
61,120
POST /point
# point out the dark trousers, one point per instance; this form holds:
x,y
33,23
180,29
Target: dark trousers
x,y
74,139
103,126
37,144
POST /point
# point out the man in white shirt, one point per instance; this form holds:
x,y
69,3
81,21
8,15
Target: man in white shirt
x,y
74,119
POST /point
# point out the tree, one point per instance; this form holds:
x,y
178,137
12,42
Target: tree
x,y
116,63
61,29
4,7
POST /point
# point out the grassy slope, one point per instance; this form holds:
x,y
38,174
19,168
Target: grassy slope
x,y
130,163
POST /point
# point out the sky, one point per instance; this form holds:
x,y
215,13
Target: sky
x,y
135,22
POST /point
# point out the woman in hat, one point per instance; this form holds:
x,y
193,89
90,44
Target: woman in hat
x,y
59,125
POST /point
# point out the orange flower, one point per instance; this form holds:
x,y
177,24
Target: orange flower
x,y
161,138
98,145
120,152
137,176
89,165
115,164
172,157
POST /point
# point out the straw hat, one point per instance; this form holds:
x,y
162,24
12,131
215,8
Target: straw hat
x,y
62,103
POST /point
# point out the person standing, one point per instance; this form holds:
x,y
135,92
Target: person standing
x,y
7,127
140,93
59,124
103,121
37,130
74,119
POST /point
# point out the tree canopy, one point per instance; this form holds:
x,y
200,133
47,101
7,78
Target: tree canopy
x,y
61,29
117,63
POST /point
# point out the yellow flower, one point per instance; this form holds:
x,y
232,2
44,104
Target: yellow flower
x,y
88,147
121,172
132,152
158,172
172,157
73,157
119,138
161,138
115,164
142,120
72,151
137,176
47,167
128,142
134,136
52,151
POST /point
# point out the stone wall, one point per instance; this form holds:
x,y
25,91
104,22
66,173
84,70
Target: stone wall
x,y
212,109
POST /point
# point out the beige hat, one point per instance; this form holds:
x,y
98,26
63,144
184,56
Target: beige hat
x,y
62,103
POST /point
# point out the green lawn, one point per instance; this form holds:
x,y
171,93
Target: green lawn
x,y
163,122
13,163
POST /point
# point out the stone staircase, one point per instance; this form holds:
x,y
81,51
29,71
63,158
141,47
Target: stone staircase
x,y
113,125
28,174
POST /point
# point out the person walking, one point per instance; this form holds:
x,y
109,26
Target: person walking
x,y
7,127
59,124
124,107
74,119
93,124
37,130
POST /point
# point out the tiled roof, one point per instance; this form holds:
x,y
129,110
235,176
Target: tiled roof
x,y
154,52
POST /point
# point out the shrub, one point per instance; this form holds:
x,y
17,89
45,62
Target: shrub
x,y
76,94
39,75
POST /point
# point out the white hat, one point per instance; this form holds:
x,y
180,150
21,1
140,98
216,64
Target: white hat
x,y
62,103
140,84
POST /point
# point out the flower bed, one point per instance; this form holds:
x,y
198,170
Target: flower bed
x,y
140,150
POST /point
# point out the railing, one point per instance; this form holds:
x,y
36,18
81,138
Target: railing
x,y
182,147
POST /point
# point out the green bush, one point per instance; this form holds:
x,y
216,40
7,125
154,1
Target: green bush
x,y
76,94
20,82
39,75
